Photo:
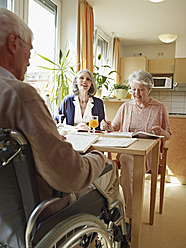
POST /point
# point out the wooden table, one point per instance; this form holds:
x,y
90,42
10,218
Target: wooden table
x,y
140,148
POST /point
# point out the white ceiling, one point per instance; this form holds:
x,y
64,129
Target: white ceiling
x,y
139,22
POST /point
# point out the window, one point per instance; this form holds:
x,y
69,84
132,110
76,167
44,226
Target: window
x,y
103,46
8,4
42,19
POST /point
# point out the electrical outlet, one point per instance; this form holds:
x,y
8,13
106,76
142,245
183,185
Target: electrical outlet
x,y
138,54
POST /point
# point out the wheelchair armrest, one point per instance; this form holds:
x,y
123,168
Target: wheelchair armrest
x,y
107,168
57,193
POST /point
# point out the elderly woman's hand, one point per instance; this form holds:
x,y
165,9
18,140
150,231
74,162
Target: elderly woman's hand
x,y
81,126
160,131
106,125
156,130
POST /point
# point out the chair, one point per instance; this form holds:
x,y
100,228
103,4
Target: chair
x,y
164,149
92,220
161,171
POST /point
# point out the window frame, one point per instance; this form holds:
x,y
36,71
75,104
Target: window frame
x,y
99,33
21,9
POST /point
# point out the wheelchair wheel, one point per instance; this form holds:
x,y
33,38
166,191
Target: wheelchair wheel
x,y
78,231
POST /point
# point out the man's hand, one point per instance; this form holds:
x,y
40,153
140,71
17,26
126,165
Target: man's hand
x,y
63,137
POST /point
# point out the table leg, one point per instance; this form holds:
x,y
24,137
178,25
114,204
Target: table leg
x,y
154,174
137,200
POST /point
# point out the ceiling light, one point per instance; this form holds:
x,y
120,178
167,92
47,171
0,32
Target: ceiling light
x,y
168,38
156,1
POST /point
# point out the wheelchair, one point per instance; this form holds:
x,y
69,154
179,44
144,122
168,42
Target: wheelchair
x,y
91,221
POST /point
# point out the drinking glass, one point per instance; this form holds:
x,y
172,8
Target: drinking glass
x,y
94,123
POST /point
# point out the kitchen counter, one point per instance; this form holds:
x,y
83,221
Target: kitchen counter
x,y
112,105
116,100
177,116
176,156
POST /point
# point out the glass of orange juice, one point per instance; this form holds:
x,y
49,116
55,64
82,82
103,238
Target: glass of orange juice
x,y
94,123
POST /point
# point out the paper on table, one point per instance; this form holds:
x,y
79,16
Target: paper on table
x,y
81,142
114,142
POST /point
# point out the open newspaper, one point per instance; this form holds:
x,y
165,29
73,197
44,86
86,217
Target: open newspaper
x,y
81,142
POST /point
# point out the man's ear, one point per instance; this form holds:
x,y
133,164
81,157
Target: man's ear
x,y
12,42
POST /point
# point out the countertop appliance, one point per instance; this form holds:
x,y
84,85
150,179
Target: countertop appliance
x,y
162,82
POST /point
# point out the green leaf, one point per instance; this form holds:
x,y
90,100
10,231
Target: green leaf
x,y
99,56
58,86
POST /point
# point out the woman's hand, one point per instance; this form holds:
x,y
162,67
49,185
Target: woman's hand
x,y
160,131
156,130
106,125
81,126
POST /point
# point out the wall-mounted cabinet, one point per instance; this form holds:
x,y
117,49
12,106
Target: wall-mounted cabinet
x,y
161,66
180,70
130,64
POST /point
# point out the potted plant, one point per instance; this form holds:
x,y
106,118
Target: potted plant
x,y
121,90
59,84
102,80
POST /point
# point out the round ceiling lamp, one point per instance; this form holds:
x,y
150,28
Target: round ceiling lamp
x,y
156,1
168,38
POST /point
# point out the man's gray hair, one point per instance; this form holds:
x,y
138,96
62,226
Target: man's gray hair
x,y
141,77
93,88
11,23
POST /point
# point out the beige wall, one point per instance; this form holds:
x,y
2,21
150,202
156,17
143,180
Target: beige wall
x,y
151,52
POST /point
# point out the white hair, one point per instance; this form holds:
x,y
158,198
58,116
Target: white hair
x,y
141,77
11,23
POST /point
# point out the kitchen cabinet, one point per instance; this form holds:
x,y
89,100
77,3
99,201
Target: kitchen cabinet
x,y
161,66
130,64
111,107
176,156
180,70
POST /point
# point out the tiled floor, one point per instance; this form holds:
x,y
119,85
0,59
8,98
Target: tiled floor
x,y
169,229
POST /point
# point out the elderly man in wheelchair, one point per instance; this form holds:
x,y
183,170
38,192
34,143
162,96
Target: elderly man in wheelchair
x,y
94,220
39,170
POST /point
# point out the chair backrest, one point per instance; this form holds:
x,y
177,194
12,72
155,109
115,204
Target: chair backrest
x,y
18,188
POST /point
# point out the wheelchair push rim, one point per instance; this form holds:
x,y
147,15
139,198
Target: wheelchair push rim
x,y
82,230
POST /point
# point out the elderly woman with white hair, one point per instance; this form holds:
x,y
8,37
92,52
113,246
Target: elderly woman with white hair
x,y
143,113
80,106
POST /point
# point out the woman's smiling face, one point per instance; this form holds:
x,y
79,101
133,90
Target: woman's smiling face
x,y
140,92
84,82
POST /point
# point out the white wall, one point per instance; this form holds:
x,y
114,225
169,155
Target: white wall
x,y
180,51
151,52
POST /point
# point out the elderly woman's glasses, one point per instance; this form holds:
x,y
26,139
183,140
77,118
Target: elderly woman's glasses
x,y
32,50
